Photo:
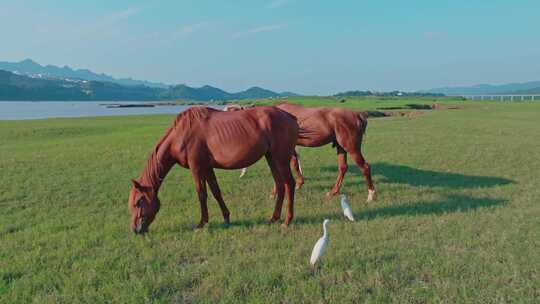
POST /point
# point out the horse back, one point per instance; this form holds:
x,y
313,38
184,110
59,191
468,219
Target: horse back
x,y
239,138
318,125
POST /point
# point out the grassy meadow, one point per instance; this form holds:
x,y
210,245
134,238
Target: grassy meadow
x,y
457,218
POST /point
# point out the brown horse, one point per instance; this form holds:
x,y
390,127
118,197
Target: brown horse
x,y
202,139
342,127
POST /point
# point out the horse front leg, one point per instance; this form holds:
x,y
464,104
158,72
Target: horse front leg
x,y
279,189
200,186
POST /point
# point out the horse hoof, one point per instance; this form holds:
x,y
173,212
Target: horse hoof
x,y
331,194
273,220
371,196
200,226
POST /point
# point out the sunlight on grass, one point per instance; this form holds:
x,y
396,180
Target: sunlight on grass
x,y
456,219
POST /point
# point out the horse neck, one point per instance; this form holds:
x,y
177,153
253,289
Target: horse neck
x,y
158,166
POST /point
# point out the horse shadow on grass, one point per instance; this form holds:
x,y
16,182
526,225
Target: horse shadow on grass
x,y
400,174
449,204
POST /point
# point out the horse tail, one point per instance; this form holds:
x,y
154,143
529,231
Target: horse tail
x,y
299,164
302,133
362,121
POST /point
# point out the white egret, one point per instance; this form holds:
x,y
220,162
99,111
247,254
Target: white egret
x,y
244,170
346,209
320,246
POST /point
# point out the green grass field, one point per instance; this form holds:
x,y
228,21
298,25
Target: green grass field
x,y
457,219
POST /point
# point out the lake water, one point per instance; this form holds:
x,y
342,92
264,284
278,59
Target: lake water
x,y
18,110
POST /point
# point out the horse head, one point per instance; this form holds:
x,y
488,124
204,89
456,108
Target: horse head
x,y
144,205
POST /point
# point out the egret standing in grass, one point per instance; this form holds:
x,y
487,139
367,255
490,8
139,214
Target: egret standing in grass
x,y
244,170
346,208
320,246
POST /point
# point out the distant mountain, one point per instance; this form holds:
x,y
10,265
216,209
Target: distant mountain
x,y
205,93
528,91
387,94
353,93
33,69
288,94
511,88
208,93
20,87
256,92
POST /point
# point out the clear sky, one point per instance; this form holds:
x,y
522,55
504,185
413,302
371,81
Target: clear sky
x,y
310,47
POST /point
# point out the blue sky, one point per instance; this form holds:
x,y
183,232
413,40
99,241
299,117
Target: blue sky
x,y
310,47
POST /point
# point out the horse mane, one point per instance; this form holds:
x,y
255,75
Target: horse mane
x,y
191,115
154,169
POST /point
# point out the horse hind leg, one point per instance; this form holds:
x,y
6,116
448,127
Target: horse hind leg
x,y
216,192
278,188
342,167
351,142
289,185
364,166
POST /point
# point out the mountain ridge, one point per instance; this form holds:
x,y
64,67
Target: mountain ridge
x,y
21,87
28,67
529,87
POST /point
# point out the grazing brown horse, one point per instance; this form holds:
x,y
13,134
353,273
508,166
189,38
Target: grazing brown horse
x,y
202,139
342,127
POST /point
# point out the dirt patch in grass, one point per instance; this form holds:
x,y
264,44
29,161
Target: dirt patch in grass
x,y
381,114
415,106
411,110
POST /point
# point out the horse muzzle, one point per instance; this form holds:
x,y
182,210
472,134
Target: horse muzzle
x,y
139,229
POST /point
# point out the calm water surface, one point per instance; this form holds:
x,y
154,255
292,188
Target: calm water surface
x,y
16,110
